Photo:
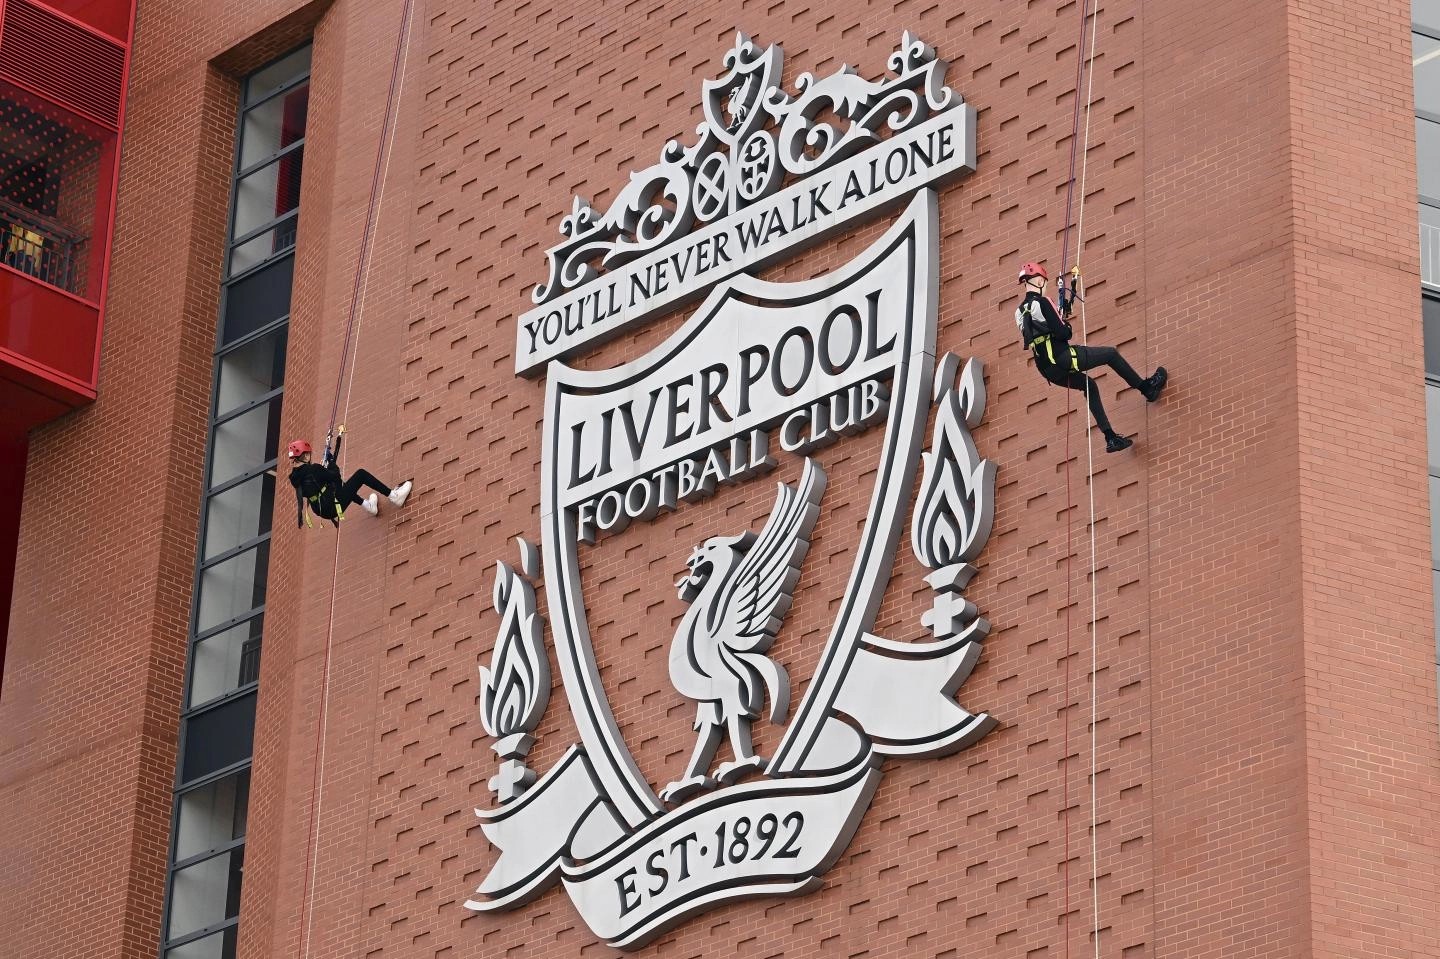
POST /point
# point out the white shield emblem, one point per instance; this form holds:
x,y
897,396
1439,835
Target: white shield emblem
x,y
761,372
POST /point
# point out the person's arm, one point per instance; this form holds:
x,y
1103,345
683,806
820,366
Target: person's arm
x,y
1070,292
332,453
302,517
1055,324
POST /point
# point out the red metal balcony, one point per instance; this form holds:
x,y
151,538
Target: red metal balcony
x,y
62,75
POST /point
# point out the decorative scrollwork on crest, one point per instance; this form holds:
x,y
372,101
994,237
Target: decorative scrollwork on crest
x,y
739,159
808,143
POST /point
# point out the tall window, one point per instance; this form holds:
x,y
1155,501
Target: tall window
x,y
227,619
1425,39
1431,305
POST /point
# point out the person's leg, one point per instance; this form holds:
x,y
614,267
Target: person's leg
x,y
1089,357
1079,381
349,492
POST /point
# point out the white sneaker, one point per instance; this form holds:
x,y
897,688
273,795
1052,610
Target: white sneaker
x,y
399,493
371,504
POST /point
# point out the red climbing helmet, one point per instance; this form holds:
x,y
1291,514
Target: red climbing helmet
x,y
1028,270
298,449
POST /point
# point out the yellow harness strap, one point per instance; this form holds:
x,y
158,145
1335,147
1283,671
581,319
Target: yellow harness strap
x,y
314,502
1044,339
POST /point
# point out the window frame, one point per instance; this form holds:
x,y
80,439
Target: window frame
x,y
238,173
261,230
189,937
188,688
1431,380
1432,33
265,161
292,213
246,105
187,716
167,943
250,472
203,567
278,325
259,542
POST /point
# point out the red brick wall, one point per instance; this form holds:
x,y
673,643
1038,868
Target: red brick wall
x,y
94,665
1265,733
1368,625
1228,788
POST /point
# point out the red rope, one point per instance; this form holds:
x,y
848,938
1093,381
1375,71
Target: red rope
x,y
1065,706
1074,138
312,827
361,266
363,262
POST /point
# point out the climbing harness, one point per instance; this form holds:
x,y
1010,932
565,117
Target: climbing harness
x,y
1025,318
320,500
347,381
317,504
1084,70
1049,344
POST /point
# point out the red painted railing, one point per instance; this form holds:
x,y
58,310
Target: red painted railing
x,y
63,67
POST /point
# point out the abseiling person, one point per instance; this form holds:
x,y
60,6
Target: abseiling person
x,y
1046,331
320,488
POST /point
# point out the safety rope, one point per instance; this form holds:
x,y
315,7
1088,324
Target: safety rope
x,y
353,326
1084,71
1090,489
362,263
1074,137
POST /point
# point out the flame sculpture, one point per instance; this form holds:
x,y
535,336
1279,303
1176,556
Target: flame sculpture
x,y
516,689
955,510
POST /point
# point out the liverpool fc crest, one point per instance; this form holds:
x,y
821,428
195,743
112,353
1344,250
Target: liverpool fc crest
x,y
760,373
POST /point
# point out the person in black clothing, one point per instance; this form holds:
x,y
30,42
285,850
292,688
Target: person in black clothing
x,y
319,486
1046,332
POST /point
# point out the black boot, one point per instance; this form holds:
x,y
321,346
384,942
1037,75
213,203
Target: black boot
x,y
1114,442
1154,384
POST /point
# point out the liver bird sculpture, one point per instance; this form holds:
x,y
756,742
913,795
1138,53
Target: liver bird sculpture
x,y
739,590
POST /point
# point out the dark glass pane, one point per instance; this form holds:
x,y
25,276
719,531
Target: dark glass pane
x,y
250,371
212,816
260,298
1431,307
277,74
218,738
